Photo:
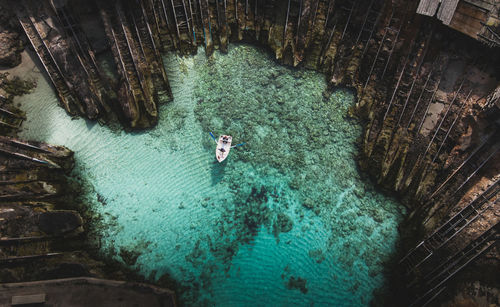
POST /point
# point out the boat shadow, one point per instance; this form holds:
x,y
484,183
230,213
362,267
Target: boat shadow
x,y
218,171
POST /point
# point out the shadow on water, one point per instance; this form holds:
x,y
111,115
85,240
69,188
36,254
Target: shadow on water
x,y
90,123
218,171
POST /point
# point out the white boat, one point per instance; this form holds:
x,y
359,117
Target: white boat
x,y
223,147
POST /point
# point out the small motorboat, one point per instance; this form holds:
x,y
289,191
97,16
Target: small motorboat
x,y
223,147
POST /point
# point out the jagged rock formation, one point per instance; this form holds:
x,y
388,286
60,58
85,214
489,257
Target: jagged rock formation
x,y
11,117
138,60
70,62
32,187
428,95
10,42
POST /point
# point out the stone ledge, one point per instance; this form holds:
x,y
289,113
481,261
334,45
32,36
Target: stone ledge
x,y
87,291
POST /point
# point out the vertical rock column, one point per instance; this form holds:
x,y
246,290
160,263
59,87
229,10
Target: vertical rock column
x,y
137,94
149,50
66,59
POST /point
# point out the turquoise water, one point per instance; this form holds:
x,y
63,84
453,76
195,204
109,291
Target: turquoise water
x,y
285,220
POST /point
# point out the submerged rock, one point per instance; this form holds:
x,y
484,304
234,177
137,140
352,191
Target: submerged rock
x,y
298,283
283,223
317,255
255,211
129,256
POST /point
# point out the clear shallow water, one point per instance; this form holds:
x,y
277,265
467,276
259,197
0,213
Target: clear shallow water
x,y
285,220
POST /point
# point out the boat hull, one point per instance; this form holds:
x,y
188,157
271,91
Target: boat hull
x,y
223,147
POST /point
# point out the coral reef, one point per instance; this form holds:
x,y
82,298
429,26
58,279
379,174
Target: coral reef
x,y
298,283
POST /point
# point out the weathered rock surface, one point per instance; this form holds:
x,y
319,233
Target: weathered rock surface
x,y
10,42
10,48
89,292
59,222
